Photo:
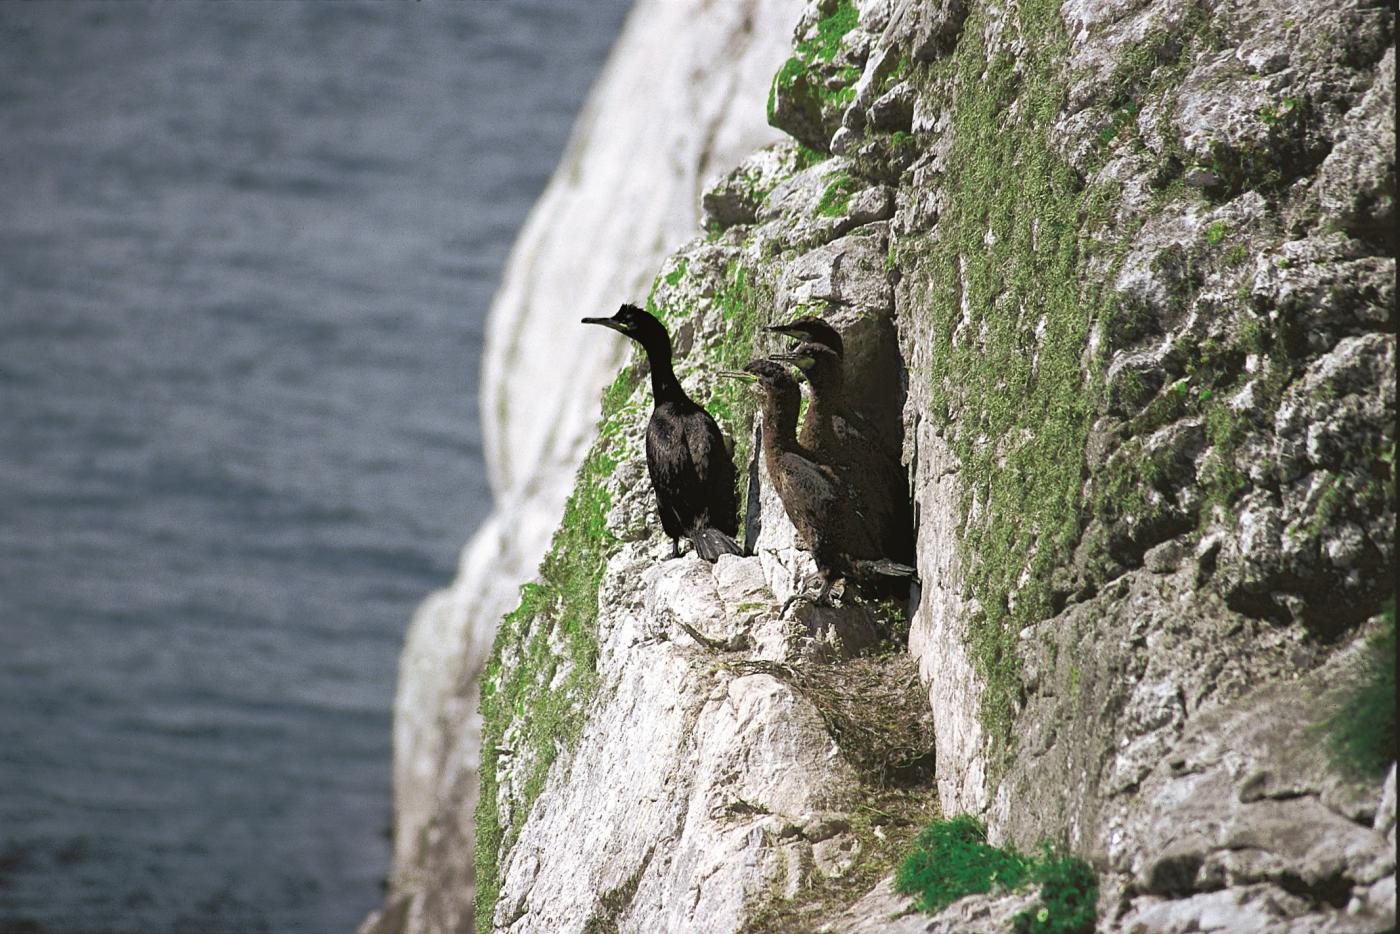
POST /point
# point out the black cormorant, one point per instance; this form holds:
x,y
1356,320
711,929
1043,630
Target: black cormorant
x,y
691,468
840,437
816,498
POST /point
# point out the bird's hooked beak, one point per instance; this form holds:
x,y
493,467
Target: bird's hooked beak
x,y
607,323
790,330
738,374
800,360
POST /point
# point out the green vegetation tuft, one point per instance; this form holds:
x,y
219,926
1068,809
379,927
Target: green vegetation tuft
x,y
900,140
809,75
522,683
1362,732
1069,893
837,196
1006,286
1217,232
952,859
831,29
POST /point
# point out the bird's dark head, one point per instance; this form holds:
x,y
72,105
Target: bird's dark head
x,y
813,330
765,375
636,324
810,357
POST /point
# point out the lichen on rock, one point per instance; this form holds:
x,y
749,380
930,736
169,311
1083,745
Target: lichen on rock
x,y
1121,277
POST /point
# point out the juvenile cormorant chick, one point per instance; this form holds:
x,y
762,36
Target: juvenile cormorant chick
x,y
817,500
841,438
691,468
814,330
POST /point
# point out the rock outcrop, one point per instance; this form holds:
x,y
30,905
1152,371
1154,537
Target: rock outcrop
x,y
1122,277
679,101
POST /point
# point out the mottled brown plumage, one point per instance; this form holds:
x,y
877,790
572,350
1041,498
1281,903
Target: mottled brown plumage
x,y
841,438
820,503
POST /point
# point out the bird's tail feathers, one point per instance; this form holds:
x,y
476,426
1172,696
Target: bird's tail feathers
x,y
883,567
710,543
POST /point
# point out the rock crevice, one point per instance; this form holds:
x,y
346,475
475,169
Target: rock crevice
x,y
1121,277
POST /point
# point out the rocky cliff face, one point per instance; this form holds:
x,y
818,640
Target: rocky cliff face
x,y
673,108
1122,274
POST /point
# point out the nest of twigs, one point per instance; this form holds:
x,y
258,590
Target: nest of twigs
x,y
874,709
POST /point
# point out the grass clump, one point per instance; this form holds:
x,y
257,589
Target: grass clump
x,y
1069,892
1362,731
952,859
1009,288
530,689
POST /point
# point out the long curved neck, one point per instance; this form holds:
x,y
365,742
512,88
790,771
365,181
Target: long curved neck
x,y
780,420
826,400
828,393
664,385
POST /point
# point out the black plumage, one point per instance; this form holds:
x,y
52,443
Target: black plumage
x,y
842,438
692,471
818,500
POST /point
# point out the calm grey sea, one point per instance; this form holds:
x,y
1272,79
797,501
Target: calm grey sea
x,y
246,250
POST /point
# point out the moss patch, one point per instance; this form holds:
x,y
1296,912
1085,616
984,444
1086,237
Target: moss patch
x,y
831,29
529,687
836,199
1362,733
809,79
952,859
1007,291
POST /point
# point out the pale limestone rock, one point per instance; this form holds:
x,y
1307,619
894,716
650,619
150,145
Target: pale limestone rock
x,y
688,774
1160,718
631,177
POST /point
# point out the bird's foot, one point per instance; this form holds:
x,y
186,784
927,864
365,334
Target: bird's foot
x,y
675,548
819,597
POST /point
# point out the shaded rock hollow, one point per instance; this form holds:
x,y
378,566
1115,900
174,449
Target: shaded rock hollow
x,y
1128,270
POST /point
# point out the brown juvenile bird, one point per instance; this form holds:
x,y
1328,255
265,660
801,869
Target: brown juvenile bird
x,y
842,438
692,471
815,497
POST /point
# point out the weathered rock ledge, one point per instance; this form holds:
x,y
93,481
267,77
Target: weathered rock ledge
x,y
1123,276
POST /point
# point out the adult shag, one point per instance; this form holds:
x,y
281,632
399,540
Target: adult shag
x,y
817,499
691,468
840,437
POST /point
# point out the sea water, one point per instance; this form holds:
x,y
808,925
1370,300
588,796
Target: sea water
x,y
246,250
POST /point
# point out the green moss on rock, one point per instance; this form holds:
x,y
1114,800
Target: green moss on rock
x,y
809,91
522,690
1008,297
